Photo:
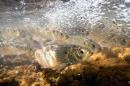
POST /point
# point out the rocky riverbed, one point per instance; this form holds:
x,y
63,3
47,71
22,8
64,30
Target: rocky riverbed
x,y
103,69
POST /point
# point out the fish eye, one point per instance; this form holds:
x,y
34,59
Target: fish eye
x,y
81,51
65,52
93,46
66,36
123,41
85,43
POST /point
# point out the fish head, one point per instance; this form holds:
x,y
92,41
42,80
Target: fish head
x,y
79,52
121,40
92,46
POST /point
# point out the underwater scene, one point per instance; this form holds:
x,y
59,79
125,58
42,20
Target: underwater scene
x,y
64,42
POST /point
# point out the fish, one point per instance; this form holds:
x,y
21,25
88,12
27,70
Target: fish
x,y
62,38
108,33
10,33
37,36
49,34
54,56
63,50
113,40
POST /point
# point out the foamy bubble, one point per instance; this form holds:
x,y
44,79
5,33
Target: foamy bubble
x,y
75,13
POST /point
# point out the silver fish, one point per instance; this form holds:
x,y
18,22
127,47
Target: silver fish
x,y
35,36
10,33
108,33
64,49
53,56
